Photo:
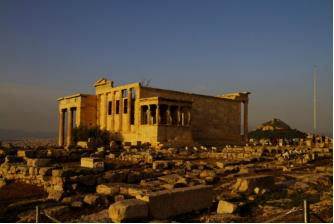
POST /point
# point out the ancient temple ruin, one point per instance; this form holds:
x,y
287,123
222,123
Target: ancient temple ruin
x,y
139,113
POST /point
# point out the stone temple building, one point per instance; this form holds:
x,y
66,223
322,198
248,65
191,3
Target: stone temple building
x,y
139,113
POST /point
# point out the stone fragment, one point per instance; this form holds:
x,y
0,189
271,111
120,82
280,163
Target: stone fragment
x,y
128,210
77,204
92,162
25,153
207,173
57,211
244,170
67,200
225,207
91,199
55,194
118,197
220,165
161,164
45,171
82,144
173,179
101,149
248,184
167,203
107,189
111,156
38,162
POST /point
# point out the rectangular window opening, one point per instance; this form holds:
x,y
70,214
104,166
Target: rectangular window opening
x,y
133,94
124,93
125,105
109,108
132,114
144,115
117,106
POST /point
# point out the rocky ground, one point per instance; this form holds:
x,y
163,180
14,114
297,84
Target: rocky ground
x,y
142,184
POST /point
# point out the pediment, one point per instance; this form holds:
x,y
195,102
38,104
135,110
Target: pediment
x,y
100,82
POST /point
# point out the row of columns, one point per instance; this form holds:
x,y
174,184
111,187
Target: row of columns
x,y
104,113
181,120
69,126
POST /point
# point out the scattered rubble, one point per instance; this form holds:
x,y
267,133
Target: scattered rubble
x,y
142,184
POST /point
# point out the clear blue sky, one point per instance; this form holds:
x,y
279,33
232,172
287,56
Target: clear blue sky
x,y
50,49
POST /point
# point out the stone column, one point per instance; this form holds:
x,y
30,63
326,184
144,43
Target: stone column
x,y
77,116
113,110
246,121
182,118
121,110
69,126
148,115
189,116
98,108
169,118
105,114
157,114
179,115
61,128
129,108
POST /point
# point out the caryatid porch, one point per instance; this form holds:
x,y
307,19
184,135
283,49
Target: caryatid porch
x,y
171,117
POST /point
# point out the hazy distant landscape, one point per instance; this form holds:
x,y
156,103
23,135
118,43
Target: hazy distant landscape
x,y
6,134
22,138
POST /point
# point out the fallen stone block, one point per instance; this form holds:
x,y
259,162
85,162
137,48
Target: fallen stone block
x,y
134,191
220,165
118,197
161,164
45,171
128,210
244,170
225,207
223,218
101,149
207,173
92,162
55,194
111,156
26,153
57,211
38,162
92,199
248,184
82,144
77,204
107,189
167,203
173,179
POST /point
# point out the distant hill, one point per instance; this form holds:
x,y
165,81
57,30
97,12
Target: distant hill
x,y
273,124
14,134
275,128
